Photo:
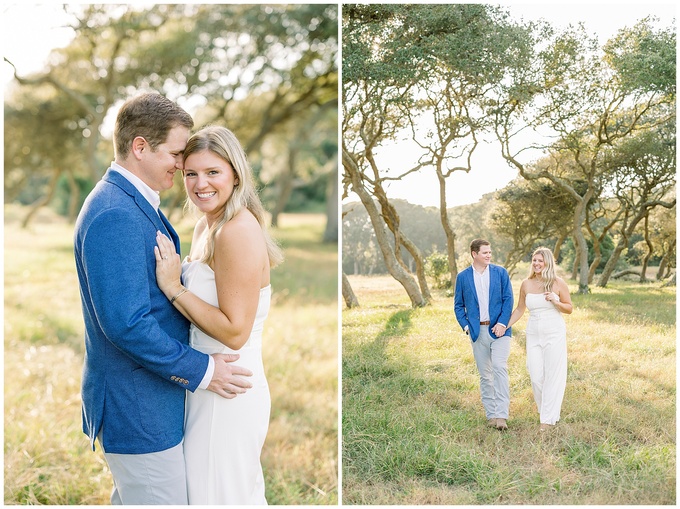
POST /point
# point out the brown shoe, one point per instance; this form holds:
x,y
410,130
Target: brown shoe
x,y
492,422
546,427
501,424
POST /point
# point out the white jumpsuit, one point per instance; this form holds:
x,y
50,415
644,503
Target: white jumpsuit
x,y
546,356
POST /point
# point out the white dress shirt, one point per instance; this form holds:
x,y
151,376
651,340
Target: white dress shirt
x,y
482,288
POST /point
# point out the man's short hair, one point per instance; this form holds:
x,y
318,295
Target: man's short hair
x,y
476,244
150,116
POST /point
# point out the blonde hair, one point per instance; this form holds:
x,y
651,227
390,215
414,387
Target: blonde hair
x,y
224,144
548,273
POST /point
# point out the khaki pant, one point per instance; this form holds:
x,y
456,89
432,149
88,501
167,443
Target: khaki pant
x,y
157,478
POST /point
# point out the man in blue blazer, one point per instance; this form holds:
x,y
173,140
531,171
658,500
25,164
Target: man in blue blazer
x,y
138,363
483,305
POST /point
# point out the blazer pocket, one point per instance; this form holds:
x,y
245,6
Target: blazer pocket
x,y
160,403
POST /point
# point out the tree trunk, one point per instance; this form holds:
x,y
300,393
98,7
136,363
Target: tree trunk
x,y
330,234
558,246
43,200
520,247
670,256
594,265
611,263
393,266
285,185
393,221
574,267
450,234
581,245
583,264
669,269
662,266
73,198
650,250
597,248
626,272
626,232
417,258
348,294
514,257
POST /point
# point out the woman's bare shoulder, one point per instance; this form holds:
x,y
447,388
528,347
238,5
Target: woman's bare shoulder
x,y
561,282
242,228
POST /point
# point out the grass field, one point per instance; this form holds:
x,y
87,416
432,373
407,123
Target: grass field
x,y
414,428
47,457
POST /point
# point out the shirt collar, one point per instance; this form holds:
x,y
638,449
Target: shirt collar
x,y
153,197
484,272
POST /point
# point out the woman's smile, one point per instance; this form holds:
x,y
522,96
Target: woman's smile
x,y
209,181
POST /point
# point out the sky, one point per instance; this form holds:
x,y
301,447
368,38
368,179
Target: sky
x,y
29,32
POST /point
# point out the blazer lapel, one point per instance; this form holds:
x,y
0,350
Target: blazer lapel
x,y
471,278
157,218
170,229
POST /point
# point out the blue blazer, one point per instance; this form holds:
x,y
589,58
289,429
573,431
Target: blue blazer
x,y
138,364
466,305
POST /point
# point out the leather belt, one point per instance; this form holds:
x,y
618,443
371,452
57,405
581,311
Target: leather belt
x,y
484,323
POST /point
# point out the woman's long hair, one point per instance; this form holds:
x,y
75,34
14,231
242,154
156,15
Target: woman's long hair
x,y
548,273
224,144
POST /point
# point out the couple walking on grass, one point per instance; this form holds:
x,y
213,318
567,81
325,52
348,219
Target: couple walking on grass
x,y
483,306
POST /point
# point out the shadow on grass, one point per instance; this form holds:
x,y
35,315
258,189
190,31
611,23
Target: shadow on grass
x,y
369,362
397,325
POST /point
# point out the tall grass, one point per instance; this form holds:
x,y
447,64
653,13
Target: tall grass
x,y
414,430
47,457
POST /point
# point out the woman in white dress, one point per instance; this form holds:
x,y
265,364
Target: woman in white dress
x,y
547,297
226,296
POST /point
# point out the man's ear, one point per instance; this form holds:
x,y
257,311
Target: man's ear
x,y
139,145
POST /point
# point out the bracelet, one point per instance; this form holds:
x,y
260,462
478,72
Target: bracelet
x,y
179,294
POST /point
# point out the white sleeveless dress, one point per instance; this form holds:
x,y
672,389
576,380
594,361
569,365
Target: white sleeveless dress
x,y
546,356
223,438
